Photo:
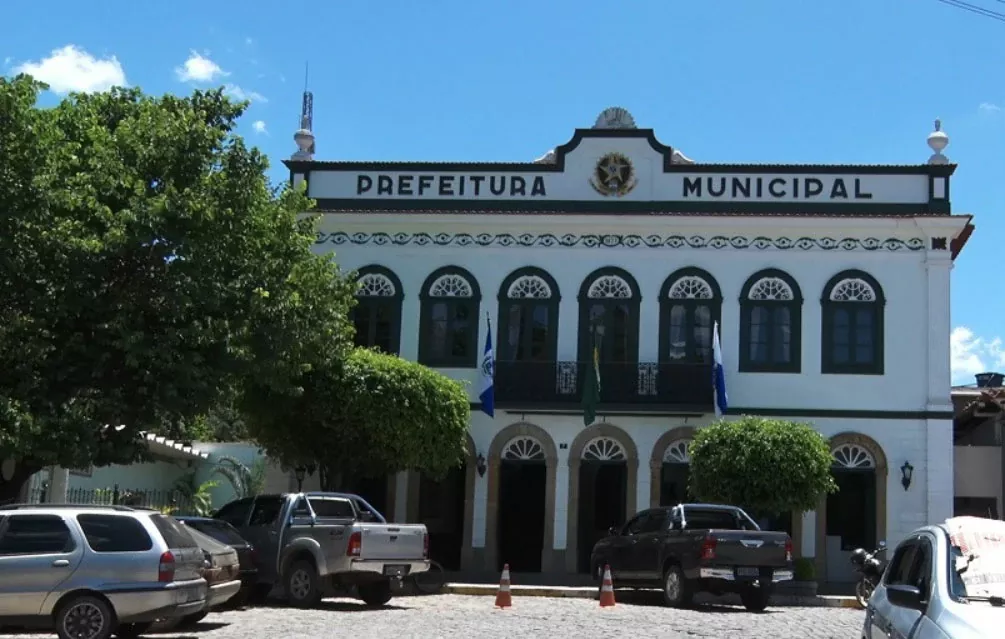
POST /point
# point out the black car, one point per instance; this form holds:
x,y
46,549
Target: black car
x,y
227,534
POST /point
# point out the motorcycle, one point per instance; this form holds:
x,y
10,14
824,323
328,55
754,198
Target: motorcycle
x,y
870,567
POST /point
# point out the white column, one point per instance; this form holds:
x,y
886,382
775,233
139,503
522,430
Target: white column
x,y
938,467
561,499
410,312
568,331
59,480
401,497
938,266
478,523
809,540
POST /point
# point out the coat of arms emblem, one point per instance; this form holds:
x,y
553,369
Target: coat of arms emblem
x,y
614,175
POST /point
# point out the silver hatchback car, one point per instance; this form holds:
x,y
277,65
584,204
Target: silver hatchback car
x,y
89,572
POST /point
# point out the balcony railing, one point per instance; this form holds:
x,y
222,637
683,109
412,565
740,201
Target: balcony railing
x,y
628,385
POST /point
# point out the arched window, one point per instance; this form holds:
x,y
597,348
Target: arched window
x,y
609,302
690,301
377,314
448,328
770,323
528,317
852,332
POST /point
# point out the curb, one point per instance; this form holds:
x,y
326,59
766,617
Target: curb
x,y
490,590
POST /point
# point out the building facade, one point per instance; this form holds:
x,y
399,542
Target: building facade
x,y
830,285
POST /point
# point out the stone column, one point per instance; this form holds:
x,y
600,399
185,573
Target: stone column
x,y
400,514
59,479
561,507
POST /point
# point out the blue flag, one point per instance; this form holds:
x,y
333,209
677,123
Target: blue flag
x,y
718,374
487,395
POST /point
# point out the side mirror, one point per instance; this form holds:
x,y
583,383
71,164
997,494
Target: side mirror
x,y
905,596
613,531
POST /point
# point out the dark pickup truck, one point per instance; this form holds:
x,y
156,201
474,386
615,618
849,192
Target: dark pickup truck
x,y
693,548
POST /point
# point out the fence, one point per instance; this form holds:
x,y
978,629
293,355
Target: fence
x,y
171,501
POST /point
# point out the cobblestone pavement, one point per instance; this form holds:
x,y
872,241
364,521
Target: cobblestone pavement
x,y
462,616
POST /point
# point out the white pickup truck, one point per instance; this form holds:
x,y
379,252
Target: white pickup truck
x,y
315,544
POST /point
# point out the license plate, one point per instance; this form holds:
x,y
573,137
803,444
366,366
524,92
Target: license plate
x,y
746,571
395,571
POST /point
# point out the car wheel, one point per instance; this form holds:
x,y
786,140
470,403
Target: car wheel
x,y
302,585
677,590
755,599
375,594
132,630
85,617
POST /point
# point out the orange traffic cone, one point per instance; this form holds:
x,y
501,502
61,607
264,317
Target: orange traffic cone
x,y
607,589
503,598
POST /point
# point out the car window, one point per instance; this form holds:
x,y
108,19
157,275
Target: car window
x,y
218,530
363,507
707,519
333,508
175,535
656,522
634,525
266,511
920,572
114,533
36,535
899,572
235,513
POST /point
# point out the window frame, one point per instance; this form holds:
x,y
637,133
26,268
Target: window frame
x,y
827,312
666,308
634,305
470,360
394,303
505,303
795,306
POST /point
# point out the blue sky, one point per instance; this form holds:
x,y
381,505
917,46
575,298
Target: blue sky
x,y
845,81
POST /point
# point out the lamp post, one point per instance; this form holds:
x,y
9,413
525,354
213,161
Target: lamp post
x,y
300,472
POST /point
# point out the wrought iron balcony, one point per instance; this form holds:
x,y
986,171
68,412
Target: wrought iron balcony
x,y
628,385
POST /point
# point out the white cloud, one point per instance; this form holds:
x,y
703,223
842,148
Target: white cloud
x,y
238,93
249,41
259,126
199,68
73,69
970,354
7,61
988,107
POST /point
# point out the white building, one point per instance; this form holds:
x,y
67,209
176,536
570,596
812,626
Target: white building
x,y
831,285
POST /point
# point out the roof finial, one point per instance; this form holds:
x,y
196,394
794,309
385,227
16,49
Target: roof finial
x,y
304,137
937,141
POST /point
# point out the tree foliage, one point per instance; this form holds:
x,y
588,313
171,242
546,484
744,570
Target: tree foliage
x,y
766,466
146,267
367,415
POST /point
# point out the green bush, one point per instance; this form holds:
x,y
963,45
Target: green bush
x,y
765,466
805,569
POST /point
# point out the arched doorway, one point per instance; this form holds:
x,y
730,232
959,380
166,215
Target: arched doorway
x,y
603,494
854,516
522,497
674,473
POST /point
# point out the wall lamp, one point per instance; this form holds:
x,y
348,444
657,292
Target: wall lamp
x,y
480,465
906,474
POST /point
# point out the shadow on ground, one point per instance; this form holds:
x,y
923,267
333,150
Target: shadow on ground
x,y
702,603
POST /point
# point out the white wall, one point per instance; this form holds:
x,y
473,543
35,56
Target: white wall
x,y
903,274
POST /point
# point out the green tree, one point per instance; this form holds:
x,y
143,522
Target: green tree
x,y
146,266
765,466
367,415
